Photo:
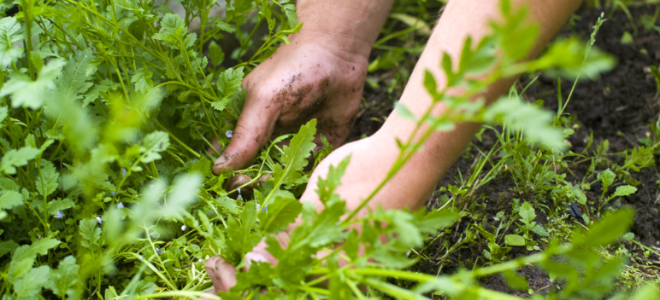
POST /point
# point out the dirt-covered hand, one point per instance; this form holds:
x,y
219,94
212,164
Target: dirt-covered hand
x,y
299,82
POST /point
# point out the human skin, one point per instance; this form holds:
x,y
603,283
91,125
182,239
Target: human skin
x,y
372,157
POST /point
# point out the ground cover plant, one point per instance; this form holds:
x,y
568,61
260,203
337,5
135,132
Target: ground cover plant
x,y
107,190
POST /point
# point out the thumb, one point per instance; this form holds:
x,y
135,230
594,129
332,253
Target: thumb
x,y
254,128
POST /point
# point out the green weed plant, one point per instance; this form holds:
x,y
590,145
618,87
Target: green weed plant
x,y
107,191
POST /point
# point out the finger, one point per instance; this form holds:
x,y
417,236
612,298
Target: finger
x,y
210,292
216,147
227,273
254,127
210,266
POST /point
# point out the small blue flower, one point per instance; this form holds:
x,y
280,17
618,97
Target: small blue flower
x,y
123,172
183,228
229,133
112,193
59,215
159,251
98,220
120,205
265,209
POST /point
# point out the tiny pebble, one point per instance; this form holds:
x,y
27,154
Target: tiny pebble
x,y
120,205
59,215
183,228
229,133
98,219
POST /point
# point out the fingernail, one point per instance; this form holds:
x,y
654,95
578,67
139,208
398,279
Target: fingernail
x,y
220,164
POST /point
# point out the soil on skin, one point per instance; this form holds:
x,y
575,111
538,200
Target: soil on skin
x,y
618,108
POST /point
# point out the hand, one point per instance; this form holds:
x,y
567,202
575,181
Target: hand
x,y
299,82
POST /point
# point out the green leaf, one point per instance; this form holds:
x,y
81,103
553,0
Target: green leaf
x,y
25,255
607,178
489,236
64,280
624,190
153,144
59,205
142,80
241,239
30,286
514,240
184,193
7,247
527,213
605,231
10,199
295,154
291,16
404,112
515,281
17,158
328,185
538,229
229,83
279,214
47,181
28,93
533,121
11,33
90,235
74,79
215,54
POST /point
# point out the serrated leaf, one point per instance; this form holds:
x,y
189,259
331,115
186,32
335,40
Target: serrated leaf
x,y
11,33
17,158
216,54
64,280
90,235
328,185
291,16
74,79
278,214
10,199
30,286
142,80
28,93
59,205
24,256
624,190
229,83
153,144
533,121
47,181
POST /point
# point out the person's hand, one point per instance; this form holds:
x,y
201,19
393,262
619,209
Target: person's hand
x,y
299,82
370,161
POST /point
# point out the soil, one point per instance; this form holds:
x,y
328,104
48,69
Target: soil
x,y
619,108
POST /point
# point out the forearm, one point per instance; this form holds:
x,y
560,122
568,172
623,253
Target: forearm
x,y
459,20
342,25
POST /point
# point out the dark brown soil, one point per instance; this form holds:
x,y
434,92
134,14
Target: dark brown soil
x,y
618,108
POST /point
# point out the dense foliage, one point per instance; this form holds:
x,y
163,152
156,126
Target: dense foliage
x,y
106,187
